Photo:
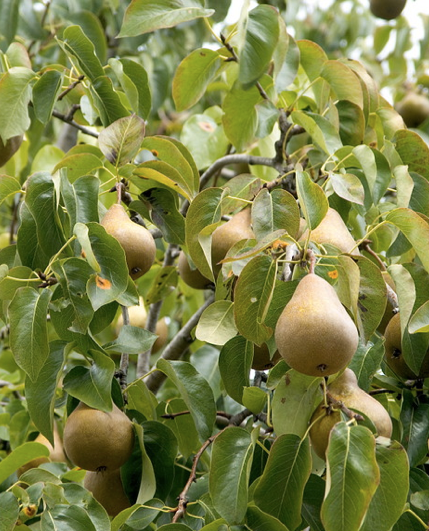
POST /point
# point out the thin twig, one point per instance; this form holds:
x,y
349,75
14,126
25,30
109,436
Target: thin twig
x,y
82,128
70,87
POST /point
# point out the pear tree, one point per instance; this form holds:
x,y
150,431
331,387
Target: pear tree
x,y
236,180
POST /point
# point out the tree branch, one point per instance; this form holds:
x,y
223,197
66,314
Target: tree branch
x,y
70,121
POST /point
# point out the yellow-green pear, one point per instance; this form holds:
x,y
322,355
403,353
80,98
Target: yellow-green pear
x,y
191,277
414,109
8,150
136,241
96,440
345,389
332,230
138,317
387,9
393,352
261,358
226,235
315,334
107,488
56,452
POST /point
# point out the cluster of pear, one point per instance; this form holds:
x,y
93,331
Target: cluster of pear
x,y
100,443
387,9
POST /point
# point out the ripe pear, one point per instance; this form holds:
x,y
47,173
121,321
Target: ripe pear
x,y
334,231
8,150
387,9
107,488
346,390
96,440
315,334
393,352
261,358
137,242
226,235
138,317
56,452
191,277
414,109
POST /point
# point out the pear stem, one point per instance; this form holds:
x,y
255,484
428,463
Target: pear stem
x,y
311,261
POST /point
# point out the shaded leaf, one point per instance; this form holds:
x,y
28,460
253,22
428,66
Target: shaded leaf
x,y
121,140
216,324
235,361
312,199
45,93
20,456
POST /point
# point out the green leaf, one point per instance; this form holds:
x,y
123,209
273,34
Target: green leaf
x,y
312,199
415,423
419,322
257,520
107,101
144,16
254,399
9,186
312,502
284,478
295,399
414,228
195,391
235,361
343,82
390,497
78,165
274,211
229,473
216,324
352,123
30,252
413,151
163,173
41,393
20,456
9,16
67,517
28,329
322,132
348,186
14,280
121,140
183,426
352,477
81,49
15,94
93,29
193,76
45,94
92,385
163,284
10,511
260,40
366,362
132,340
138,517
253,294
148,480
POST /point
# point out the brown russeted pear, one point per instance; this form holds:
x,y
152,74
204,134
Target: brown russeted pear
x,y
345,389
191,277
138,316
334,231
387,9
107,488
56,452
414,109
136,241
226,235
261,358
315,334
388,312
393,352
8,150
96,440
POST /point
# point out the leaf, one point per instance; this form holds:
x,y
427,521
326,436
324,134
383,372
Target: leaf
x,y
235,361
93,29
413,151
45,93
41,393
260,40
252,296
144,16
10,511
352,123
295,399
415,423
20,456
389,499
9,186
107,101
216,324
67,517
312,199
192,77
77,45
342,81
195,391
92,385
9,16
254,399
230,465
352,477
15,94
281,487
79,164
183,426
148,480
28,329
419,322
322,132
163,173
348,186
312,502
137,517
274,211
366,362
121,140
132,340
257,520
414,228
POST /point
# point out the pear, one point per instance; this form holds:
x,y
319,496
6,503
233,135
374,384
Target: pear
x,y
191,277
261,358
56,452
315,334
107,488
138,317
414,109
345,389
388,312
96,440
334,231
137,242
393,352
387,9
226,235
8,150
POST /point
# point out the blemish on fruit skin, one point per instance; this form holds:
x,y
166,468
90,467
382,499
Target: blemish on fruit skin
x,y
102,283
